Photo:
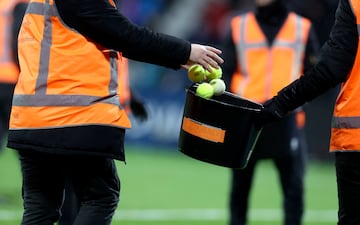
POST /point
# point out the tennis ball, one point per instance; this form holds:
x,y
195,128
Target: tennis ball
x,y
218,85
205,90
196,73
215,74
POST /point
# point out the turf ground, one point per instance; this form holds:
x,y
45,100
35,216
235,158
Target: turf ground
x,y
165,187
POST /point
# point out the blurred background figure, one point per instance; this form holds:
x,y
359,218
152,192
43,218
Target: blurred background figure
x,y
265,50
133,104
11,14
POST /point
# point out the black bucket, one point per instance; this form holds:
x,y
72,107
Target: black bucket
x,y
219,130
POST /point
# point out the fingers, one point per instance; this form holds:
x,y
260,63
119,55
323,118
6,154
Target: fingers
x,y
206,56
207,63
212,57
214,50
213,60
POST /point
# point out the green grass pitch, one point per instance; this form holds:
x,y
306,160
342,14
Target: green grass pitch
x,y
165,187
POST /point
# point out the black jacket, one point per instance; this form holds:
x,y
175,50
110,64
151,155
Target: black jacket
x,y
336,60
105,25
100,22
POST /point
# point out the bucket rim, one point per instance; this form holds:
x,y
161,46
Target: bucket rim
x,y
228,104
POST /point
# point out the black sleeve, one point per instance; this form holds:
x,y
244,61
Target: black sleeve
x,y
18,15
230,59
99,21
336,59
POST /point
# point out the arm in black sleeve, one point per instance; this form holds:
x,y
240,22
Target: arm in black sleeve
x,y
230,59
18,15
99,21
336,59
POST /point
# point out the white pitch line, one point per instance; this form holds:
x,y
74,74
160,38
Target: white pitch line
x,y
171,214
320,216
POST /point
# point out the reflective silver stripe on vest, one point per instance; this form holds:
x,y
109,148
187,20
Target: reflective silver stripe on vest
x,y
346,122
114,79
298,47
63,100
243,46
38,8
40,98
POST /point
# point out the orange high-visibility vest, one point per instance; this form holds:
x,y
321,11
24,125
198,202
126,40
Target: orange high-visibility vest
x,y
345,131
66,80
9,71
263,70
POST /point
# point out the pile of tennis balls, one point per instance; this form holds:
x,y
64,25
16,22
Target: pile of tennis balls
x,y
209,83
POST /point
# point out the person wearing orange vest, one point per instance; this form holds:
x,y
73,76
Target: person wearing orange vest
x,y
266,49
131,104
66,119
11,13
339,63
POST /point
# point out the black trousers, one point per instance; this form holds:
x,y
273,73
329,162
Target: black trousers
x,y
6,95
70,207
348,183
94,179
291,173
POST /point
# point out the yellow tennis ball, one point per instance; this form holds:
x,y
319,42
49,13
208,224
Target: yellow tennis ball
x,y
215,74
218,85
205,90
196,73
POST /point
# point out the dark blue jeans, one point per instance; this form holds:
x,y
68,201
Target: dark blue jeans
x,y
94,179
348,183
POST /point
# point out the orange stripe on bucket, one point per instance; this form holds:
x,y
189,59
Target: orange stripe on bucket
x,y
203,131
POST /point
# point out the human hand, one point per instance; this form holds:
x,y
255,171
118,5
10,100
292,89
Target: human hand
x,y
138,109
206,56
270,112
